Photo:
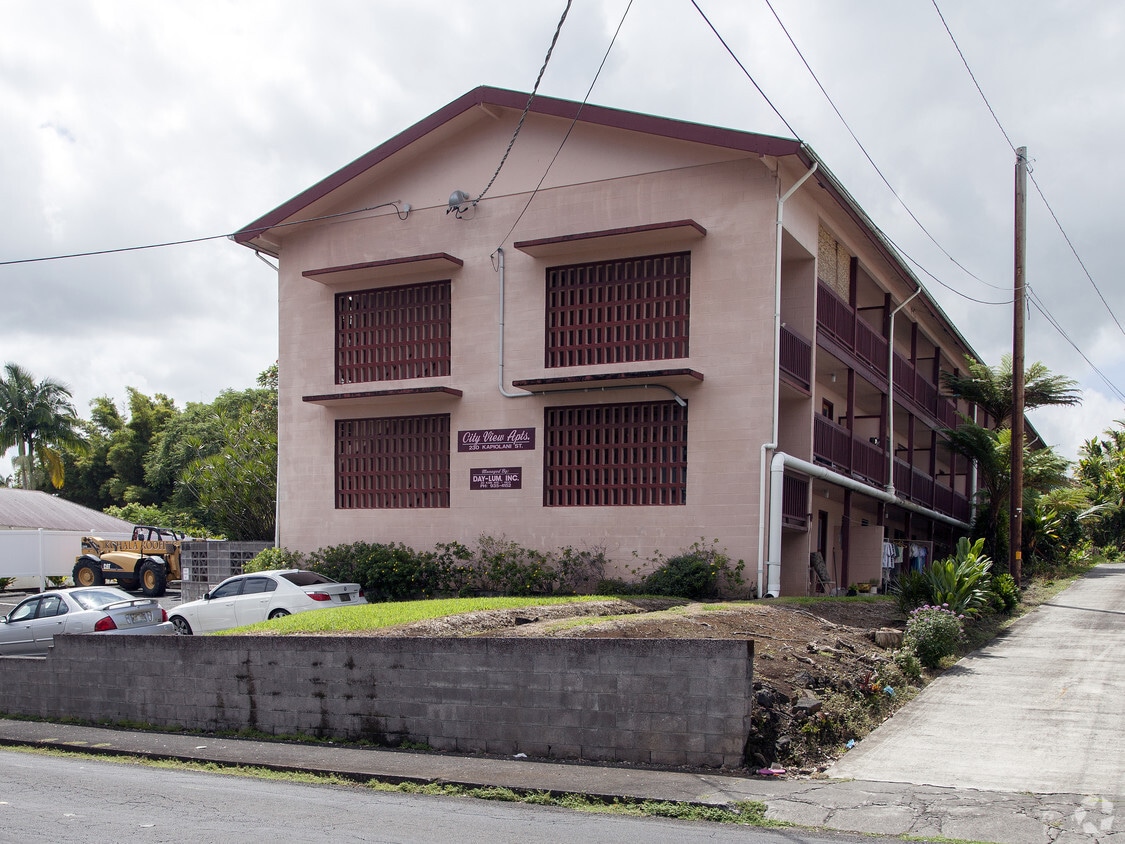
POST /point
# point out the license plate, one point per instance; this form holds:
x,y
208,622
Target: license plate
x,y
344,596
139,617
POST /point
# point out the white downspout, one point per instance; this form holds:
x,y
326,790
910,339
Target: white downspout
x,y
773,591
890,485
500,382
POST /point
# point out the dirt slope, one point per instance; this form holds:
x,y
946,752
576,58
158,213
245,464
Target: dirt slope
x,y
813,664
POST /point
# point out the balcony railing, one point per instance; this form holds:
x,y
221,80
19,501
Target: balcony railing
x,y
911,383
835,316
796,356
795,501
832,443
838,319
871,346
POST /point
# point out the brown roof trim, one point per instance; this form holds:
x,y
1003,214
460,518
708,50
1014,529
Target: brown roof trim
x,y
341,398
432,262
682,229
567,109
687,376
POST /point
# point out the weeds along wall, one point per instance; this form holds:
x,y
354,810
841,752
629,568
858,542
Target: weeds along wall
x,y
659,701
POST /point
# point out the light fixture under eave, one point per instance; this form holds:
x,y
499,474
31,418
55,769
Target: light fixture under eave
x,y
460,204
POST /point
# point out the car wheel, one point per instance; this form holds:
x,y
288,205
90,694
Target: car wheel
x,y
181,625
154,579
88,573
278,614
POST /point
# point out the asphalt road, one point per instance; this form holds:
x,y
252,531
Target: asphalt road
x,y
1041,709
45,798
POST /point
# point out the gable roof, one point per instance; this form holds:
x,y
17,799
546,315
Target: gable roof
x,y
665,127
485,96
29,509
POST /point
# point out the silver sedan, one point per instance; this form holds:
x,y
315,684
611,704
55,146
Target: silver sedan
x,y
30,629
250,598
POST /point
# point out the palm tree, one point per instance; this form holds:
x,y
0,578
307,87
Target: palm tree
x,y
990,388
36,418
990,448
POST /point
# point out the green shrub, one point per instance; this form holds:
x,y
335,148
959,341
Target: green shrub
x,y
5,582
507,568
615,586
908,664
386,571
578,572
912,589
274,558
961,582
699,572
933,633
1003,593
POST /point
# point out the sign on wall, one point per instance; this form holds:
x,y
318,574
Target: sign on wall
x,y
507,477
497,439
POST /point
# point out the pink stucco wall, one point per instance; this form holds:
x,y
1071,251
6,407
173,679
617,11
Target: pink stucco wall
x,y
603,180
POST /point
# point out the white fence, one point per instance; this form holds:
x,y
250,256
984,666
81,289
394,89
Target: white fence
x,y
31,556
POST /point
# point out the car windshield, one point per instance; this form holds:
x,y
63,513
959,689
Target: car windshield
x,y
95,599
306,578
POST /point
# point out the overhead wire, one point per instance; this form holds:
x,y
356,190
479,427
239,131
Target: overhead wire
x,y
871,161
856,139
747,73
1033,299
530,99
569,129
258,230
1038,188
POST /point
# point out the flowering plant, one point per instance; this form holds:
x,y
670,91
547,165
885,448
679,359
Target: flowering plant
x,y
933,633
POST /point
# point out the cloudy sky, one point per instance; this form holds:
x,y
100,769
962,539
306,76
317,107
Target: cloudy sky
x,y
125,123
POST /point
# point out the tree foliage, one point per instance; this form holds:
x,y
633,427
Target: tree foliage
x,y
206,470
37,418
990,447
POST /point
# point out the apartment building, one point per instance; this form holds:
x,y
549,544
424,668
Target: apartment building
x,y
635,335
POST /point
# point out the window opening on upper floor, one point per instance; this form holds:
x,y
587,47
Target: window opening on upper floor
x,y
618,311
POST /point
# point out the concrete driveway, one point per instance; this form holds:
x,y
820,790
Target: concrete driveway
x,y
1041,709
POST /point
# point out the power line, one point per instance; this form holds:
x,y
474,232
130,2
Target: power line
x,y
1039,306
871,161
530,99
570,128
401,215
737,61
1038,189
858,143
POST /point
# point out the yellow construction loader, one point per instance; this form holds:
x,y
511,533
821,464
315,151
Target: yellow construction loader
x,y
147,562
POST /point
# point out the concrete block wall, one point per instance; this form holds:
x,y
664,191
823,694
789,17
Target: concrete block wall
x,y
208,562
658,701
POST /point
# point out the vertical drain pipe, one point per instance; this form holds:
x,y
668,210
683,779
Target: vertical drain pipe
x,y
764,568
500,374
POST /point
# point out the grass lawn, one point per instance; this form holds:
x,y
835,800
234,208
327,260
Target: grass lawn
x,y
374,616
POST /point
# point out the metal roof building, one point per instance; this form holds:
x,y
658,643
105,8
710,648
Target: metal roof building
x,y
22,509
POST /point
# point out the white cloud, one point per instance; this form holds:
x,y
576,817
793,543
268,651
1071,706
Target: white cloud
x,y
134,122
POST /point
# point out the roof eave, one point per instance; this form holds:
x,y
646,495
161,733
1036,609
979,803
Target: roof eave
x,y
252,235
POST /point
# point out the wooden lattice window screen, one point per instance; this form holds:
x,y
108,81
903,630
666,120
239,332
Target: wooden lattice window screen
x,y
618,311
393,332
615,455
398,462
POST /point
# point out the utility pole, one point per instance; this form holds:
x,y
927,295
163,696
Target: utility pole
x,y
1015,505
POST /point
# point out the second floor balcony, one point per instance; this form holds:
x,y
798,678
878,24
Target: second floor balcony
x,y
836,447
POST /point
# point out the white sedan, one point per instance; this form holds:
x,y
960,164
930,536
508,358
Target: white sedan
x,y
30,629
250,598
